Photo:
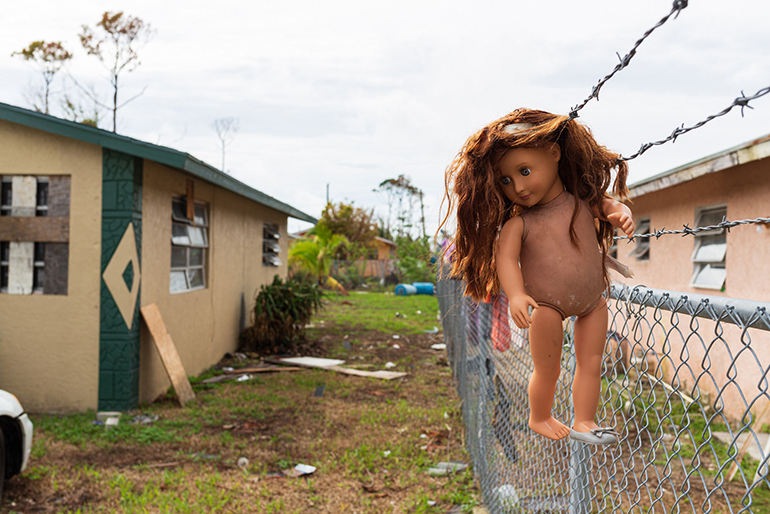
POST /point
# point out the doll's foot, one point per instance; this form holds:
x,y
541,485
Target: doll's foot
x,y
550,428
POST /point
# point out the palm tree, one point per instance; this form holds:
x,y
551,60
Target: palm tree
x,y
315,254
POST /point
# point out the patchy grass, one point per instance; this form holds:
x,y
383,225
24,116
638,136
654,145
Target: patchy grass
x,y
369,439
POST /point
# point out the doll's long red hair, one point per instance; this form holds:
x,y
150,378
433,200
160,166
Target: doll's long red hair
x,y
473,189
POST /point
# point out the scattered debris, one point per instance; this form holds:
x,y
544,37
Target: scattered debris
x,y
299,470
445,468
243,378
419,312
319,391
260,368
508,496
396,336
389,365
162,465
144,419
438,346
431,503
346,344
309,362
334,365
395,347
204,456
246,427
434,330
105,415
243,463
386,453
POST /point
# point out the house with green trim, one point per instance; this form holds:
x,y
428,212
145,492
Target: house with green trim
x,y
94,225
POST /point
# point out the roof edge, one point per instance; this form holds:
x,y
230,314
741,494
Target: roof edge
x,y
753,150
160,154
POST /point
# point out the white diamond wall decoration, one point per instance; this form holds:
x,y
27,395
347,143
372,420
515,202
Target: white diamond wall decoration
x,y
124,297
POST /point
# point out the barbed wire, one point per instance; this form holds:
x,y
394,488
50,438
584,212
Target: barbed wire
x,y
687,231
742,102
624,61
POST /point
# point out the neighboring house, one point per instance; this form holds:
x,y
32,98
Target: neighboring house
x,y
380,261
735,184
94,225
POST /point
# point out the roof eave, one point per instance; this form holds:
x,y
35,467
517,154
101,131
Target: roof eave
x,y
744,153
160,154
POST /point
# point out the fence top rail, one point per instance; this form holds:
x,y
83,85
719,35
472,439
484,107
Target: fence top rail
x,y
744,313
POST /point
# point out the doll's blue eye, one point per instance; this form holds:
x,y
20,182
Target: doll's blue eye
x,y
525,171
505,181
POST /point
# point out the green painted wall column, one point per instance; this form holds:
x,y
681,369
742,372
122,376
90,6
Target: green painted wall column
x,y
119,334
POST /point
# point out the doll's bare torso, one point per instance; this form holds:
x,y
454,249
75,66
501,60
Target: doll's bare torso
x,y
556,273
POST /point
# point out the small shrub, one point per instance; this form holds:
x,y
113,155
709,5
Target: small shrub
x,y
280,314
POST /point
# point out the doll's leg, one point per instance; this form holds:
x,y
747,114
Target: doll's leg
x,y
545,342
590,337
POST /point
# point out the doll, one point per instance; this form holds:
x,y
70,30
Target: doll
x,y
534,218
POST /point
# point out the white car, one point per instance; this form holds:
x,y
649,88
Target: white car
x,y
15,438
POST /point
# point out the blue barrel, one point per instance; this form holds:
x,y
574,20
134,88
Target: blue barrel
x,y
424,287
405,290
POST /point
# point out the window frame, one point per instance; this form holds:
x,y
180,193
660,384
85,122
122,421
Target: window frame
x,y
271,249
199,224
705,266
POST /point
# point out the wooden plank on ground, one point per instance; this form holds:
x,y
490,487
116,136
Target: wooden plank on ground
x,y
261,369
39,229
168,353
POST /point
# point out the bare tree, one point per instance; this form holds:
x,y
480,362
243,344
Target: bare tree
x,y
49,57
115,47
400,191
226,129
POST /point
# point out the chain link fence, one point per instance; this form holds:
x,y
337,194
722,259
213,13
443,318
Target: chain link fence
x,y
684,384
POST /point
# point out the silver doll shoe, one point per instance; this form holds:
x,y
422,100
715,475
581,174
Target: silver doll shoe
x,y
595,436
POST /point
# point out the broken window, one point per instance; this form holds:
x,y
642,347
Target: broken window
x,y
642,250
189,242
270,246
708,257
34,234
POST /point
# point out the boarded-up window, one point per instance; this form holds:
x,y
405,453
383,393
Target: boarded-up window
x,y
34,234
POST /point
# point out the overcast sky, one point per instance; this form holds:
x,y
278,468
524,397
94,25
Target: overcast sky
x,y
351,93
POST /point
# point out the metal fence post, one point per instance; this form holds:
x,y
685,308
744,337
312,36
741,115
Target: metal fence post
x,y
579,478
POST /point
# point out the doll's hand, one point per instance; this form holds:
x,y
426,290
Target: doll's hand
x,y
519,310
623,221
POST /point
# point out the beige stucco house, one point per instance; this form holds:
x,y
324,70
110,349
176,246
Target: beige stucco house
x,y
94,225
732,184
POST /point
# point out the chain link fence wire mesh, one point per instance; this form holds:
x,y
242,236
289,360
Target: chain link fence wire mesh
x,y
684,384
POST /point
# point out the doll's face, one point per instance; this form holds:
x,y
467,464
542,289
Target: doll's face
x,y
530,176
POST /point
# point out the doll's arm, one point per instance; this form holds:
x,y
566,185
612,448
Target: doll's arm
x,y
618,214
509,272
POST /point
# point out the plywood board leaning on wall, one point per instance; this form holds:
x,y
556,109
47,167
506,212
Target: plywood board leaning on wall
x,y
168,353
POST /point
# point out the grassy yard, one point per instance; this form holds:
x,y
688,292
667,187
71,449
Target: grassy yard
x,y
372,441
